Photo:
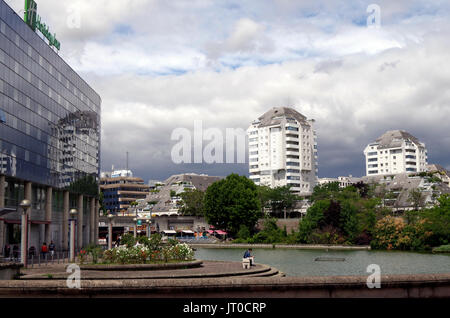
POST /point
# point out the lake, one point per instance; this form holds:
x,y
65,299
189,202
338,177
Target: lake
x,y
296,262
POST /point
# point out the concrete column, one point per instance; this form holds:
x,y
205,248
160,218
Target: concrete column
x,y
48,214
96,213
2,205
28,196
65,222
80,221
92,221
2,191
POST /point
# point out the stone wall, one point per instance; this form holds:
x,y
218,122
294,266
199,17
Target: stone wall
x,y
392,286
291,224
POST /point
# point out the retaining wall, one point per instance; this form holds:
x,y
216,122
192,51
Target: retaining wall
x,y
392,286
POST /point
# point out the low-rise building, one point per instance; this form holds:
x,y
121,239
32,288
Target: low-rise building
x,y
440,172
395,190
166,200
343,181
120,191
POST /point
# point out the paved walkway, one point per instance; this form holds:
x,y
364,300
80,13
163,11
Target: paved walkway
x,y
208,269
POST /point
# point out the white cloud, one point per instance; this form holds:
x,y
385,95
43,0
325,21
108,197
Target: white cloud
x,y
227,64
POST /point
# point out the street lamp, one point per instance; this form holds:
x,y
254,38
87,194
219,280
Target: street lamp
x,y
135,225
73,214
149,222
110,218
25,205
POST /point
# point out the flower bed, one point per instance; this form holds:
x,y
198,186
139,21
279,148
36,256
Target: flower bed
x,y
144,251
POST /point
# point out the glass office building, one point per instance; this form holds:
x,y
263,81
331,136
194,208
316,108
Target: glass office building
x,y
49,123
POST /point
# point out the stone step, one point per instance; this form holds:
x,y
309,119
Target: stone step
x,y
270,273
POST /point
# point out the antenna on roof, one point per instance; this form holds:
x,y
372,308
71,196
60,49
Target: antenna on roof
x,y
127,165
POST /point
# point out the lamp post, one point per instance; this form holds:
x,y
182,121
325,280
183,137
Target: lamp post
x,y
73,214
110,235
149,230
25,205
135,225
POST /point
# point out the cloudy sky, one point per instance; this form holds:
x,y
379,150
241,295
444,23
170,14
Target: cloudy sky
x,y
161,64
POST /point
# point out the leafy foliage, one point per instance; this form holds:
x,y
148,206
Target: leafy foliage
x,y
192,202
232,202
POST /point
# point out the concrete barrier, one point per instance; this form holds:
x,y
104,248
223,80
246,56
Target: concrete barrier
x,y
141,267
392,286
9,270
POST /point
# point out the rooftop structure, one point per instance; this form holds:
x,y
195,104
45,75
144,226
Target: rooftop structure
x,y
396,151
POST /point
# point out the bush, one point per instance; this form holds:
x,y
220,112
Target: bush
x,y
393,233
95,251
128,240
140,254
244,232
442,249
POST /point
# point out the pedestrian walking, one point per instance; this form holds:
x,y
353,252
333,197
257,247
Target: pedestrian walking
x,y
51,248
6,251
44,250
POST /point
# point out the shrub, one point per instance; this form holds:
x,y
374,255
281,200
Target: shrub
x,y
95,251
128,240
139,254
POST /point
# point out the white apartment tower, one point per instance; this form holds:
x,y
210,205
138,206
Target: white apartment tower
x,y
396,151
283,150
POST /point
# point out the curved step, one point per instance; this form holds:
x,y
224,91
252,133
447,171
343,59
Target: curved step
x,y
270,273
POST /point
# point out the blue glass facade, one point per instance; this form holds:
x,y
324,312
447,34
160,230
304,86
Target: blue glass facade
x,y
50,117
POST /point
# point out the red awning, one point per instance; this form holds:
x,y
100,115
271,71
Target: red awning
x,y
221,232
210,232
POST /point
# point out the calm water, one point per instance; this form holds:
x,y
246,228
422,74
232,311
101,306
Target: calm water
x,y
302,262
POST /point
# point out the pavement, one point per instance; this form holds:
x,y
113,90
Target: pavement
x,y
207,269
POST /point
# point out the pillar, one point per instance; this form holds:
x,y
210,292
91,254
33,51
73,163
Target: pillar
x,y
2,205
96,213
80,222
28,196
48,214
92,221
65,222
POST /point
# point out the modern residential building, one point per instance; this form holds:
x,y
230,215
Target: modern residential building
x,y
343,181
121,189
283,150
49,139
395,189
440,172
166,198
396,151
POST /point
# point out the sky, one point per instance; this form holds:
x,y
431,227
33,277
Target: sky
x,y
160,65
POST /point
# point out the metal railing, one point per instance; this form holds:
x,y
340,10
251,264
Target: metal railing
x,y
42,259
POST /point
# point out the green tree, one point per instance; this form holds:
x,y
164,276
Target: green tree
x,y
192,202
232,202
416,198
264,196
311,221
324,191
282,200
438,221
